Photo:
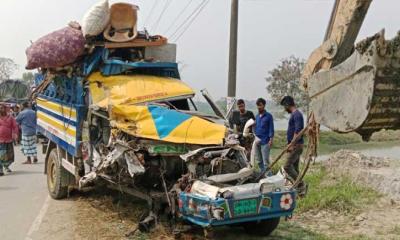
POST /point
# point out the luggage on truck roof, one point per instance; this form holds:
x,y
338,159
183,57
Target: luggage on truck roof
x,y
56,49
123,23
114,28
96,19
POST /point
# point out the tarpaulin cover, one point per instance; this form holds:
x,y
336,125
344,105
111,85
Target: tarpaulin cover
x,y
126,95
56,49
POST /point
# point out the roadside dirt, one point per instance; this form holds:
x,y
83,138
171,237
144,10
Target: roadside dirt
x,y
382,174
380,220
111,215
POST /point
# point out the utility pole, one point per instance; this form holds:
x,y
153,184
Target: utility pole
x,y
233,43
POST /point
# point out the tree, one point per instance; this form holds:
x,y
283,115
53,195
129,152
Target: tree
x,y
285,80
28,77
7,68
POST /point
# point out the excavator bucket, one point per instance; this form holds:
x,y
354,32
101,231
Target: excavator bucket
x,y
361,94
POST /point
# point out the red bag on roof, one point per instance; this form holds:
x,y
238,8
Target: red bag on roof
x,y
56,49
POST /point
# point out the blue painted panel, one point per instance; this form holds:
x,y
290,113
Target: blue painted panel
x,y
166,120
199,218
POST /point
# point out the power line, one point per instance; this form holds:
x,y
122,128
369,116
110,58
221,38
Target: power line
x,y
166,5
150,13
192,20
178,16
188,18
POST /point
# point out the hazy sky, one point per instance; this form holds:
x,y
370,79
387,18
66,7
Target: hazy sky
x,y
269,30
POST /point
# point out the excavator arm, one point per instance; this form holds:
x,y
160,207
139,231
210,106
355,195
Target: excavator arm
x,y
344,25
354,88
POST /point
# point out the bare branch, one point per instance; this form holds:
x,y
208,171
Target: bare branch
x,y
7,68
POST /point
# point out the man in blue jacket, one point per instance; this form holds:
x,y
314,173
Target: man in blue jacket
x,y
264,132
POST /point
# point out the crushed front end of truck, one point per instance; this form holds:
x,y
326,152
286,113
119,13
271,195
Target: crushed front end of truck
x,y
247,207
133,127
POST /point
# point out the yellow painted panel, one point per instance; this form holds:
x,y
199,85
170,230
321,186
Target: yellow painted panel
x,y
135,120
133,89
197,131
64,128
67,112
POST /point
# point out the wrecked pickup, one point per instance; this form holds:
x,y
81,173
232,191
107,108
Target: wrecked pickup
x,y
134,127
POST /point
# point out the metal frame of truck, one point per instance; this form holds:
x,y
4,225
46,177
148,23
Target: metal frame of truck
x,y
62,110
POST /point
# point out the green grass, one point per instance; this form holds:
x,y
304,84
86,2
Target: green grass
x,y
331,141
292,231
334,193
395,230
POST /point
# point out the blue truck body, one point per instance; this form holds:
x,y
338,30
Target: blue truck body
x,y
62,109
198,209
68,94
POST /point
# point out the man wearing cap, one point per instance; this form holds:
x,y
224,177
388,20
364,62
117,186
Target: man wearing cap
x,y
296,125
8,133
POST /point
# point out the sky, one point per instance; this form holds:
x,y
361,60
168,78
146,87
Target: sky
x,y
269,30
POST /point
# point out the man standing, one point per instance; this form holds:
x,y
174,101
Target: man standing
x,y
264,131
8,133
296,125
239,118
27,120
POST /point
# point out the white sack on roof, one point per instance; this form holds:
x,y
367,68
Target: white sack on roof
x,y
96,19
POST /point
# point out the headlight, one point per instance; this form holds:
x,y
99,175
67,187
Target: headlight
x,y
286,201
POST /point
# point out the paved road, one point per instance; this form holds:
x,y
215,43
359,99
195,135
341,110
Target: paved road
x,y
22,194
25,204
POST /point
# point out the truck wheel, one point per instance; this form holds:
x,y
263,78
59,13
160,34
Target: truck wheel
x,y
55,176
261,228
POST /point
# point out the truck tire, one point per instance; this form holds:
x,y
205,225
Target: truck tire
x,y
261,228
56,175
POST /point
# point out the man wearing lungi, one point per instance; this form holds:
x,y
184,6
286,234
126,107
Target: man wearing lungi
x,y
27,120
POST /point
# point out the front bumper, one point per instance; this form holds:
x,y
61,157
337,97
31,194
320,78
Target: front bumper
x,y
206,212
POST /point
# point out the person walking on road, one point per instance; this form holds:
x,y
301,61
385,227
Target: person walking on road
x,y
295,126
264,132
8,133
27,120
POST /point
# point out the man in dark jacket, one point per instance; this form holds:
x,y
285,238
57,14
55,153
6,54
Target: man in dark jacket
x,y
295,126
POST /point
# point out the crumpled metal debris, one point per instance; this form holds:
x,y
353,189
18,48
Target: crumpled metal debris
x,y
121,154
133,163
229,177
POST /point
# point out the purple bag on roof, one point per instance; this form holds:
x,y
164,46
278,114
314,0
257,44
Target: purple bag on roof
x,y
56,49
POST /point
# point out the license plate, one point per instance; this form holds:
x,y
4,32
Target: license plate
x,y
245,207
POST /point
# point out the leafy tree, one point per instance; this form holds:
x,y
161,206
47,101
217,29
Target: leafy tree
x,y
285,80
7,68
28,77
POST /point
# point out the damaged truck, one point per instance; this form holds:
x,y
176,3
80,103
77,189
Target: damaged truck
x,y
114,113
116,119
